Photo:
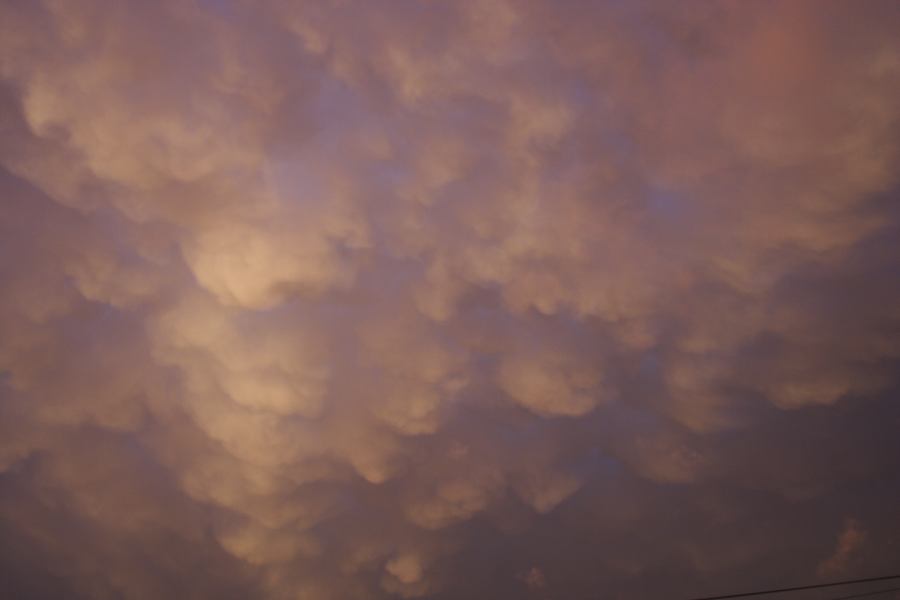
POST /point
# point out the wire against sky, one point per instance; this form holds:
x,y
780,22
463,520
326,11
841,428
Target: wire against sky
x,y
804,587
867,594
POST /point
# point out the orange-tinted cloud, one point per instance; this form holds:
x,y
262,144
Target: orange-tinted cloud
x,y
400,299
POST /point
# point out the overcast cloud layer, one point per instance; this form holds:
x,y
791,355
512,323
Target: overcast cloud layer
x,y
372,299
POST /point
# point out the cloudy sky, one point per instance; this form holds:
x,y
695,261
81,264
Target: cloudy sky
x,y
447,299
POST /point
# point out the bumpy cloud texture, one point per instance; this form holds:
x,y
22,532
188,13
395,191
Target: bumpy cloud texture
x,y
447,299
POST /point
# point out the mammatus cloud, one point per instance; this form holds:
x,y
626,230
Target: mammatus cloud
x,y
478,299
849,543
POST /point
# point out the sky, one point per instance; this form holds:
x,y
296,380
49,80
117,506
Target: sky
x,y
447,299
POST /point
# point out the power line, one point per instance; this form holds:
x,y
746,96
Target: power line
x,y
863,595
801,587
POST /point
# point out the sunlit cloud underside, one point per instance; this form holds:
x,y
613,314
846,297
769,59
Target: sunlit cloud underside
x,y
350,299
